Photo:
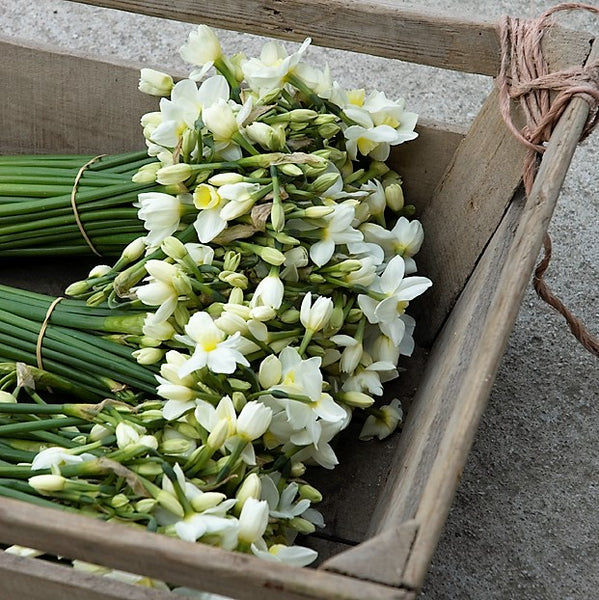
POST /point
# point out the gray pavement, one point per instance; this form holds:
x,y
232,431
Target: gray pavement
x,y
525,522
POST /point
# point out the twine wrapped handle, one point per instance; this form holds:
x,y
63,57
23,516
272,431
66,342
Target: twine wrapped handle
x,y
524,75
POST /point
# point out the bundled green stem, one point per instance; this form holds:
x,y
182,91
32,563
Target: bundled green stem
x,y
36,210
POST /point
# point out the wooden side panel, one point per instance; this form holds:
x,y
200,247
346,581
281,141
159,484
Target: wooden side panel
x,y
461,369
167,559
66,104
465,210
34,579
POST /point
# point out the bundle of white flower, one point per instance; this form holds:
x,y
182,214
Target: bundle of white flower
x,y
281,308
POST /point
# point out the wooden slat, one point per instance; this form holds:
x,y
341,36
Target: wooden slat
x,y
422,162
472,195
465,210
382,28
68,104
465,359
181,563
33,579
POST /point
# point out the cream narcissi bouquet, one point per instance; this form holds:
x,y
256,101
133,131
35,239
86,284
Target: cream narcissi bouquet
x,y
267,298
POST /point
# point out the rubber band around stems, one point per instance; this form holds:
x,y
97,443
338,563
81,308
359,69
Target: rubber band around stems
x,y
74,203
40,336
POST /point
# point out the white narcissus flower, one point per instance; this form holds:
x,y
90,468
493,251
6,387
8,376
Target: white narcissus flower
x,y
268,292
212,348
208,223
315,316
382,422
253,421
163,288
209,417
185,105
398,292
161,214
57,456
352,353
299,376
253,520
270,71
337,229
283,505
296,556
404,239
202,47
240,198
374,141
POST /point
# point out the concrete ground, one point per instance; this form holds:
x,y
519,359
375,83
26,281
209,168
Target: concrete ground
x,y
525,523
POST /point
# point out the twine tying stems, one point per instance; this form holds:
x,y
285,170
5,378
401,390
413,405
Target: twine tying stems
x,y
524,75
40,336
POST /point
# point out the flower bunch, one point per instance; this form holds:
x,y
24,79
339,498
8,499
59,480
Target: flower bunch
x,y
129,464
269,295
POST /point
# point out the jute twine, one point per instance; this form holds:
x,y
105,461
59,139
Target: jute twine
x,y
40,335
524,75
74,204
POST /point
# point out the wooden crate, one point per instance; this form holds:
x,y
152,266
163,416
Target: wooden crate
x,y
386,503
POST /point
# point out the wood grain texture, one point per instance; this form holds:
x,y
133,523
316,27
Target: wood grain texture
x,y
177,562
465,210
461,369
382,28
33,579
68,104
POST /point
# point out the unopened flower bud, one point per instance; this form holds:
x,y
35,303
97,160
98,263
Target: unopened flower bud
x,y
290,316
77,288
47,483
119,501
271,256
394,197
300,115
310,493
148,356
99,432
302,526
147,173
170,503
328,130
356,399
317,212
99,271
324,182
291,170
155,83
270,371
298,469
234,279
174,248
239,400
173,174
225,179
207,500
250,488
145,505
176,446
218,435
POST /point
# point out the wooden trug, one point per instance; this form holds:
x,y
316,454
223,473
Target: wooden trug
x,y
482,236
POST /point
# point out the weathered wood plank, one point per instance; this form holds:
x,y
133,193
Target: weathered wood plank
x,y
34,579
464,210
382,28
192,565
68,104
472,195
440,429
